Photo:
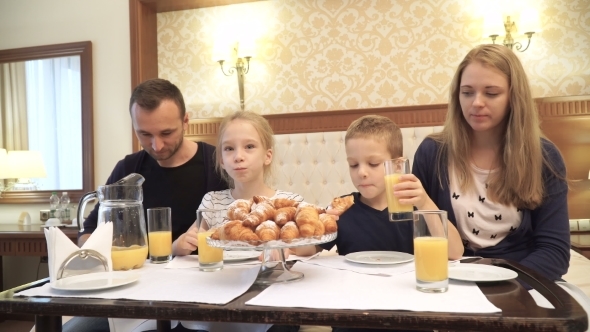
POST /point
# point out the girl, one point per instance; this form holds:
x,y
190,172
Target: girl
x,y
501,181
244,158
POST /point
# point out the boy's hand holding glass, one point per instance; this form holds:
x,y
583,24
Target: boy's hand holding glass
x,y
394,169
410,191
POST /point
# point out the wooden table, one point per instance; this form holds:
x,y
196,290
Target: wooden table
x,y
519,311
26,240
581,243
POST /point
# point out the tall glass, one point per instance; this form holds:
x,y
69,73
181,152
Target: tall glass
x,y
395,168
431,251
160,234
210,258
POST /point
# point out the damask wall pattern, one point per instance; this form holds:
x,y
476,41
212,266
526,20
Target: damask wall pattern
x,y
347,54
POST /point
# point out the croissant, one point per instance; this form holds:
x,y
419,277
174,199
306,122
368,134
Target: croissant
x,y
319,209
279,203
236,231
268,231
329,222
260,199
307,218
341,204
285,214
263,212
320,229
289,231
239,209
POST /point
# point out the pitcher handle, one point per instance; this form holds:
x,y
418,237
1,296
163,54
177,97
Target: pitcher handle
x,y
82,205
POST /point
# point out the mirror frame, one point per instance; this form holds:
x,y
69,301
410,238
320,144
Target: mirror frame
x,y
84,50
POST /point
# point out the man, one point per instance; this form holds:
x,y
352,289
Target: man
x,y
177,172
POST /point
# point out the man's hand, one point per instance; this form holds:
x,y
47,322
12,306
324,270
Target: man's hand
x,y
186,243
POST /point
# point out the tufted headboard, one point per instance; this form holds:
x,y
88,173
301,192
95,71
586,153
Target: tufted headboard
x,y
309,155
314,164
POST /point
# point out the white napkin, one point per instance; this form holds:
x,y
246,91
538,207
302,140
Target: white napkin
x,y
60,247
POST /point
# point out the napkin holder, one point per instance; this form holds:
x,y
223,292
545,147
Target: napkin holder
x,y
82,254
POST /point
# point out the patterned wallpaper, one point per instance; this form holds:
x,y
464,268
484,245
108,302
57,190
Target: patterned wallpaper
x,y
348,54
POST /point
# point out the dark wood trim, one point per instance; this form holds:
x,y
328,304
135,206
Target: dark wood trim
x,y
162,6
84,50
405,116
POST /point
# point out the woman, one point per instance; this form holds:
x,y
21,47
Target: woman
x,y
501,181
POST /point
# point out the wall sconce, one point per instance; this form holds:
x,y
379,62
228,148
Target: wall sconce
x,y
240,68
21,165
529,23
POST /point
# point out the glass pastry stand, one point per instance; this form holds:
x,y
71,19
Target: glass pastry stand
x,y
271,271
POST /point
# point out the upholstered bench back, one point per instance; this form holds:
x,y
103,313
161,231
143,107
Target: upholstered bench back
x,y
314,164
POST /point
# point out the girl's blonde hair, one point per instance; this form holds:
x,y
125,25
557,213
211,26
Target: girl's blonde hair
x,y
519,180
264,131
379,128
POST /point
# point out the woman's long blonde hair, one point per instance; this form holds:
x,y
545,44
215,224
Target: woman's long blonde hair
x,y
266,138
519,180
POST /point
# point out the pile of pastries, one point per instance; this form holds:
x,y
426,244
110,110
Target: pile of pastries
x,y
262,219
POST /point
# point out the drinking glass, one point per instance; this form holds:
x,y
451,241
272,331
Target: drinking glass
x,y
160,234
431,251
210,258
395,168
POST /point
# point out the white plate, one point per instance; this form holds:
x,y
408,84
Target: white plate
x,y
480,273
237,255
95,281
379,257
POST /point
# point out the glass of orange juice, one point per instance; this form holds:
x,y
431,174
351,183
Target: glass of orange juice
x,y
210,258
160,234
395,168
431,251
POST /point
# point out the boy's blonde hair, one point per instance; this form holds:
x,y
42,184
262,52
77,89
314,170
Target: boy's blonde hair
x,y
264,131
519,180
379,128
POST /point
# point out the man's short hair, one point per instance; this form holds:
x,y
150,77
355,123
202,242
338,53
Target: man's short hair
x,y
379,128
150,94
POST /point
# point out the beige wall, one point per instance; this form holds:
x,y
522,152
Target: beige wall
x,y
106,24
345,54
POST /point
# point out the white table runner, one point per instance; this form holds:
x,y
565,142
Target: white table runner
x,y
328,288
159,284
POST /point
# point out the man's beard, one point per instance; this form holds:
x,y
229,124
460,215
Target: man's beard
x,y
170,155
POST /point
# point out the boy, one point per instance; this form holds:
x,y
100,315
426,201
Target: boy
x,y
365,226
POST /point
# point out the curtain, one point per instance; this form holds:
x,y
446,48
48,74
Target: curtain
x,y
13,108
54,116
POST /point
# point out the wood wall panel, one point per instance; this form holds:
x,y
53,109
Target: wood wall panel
x,y
565,120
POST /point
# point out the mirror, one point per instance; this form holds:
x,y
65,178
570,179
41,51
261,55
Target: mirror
x,y
81,127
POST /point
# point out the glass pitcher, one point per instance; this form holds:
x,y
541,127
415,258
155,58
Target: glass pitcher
x,y
121,204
